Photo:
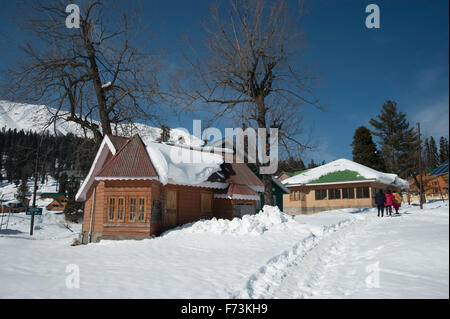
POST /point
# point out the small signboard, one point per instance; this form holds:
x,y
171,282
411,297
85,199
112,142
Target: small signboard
x,y
35,210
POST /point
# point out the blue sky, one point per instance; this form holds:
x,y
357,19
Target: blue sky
x,y
406,60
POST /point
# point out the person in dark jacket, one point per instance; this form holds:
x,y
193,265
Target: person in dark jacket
x,y
380,200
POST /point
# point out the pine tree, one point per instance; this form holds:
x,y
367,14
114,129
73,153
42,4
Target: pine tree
x,y
365,151
434,155
312,164
443,150
22,191
62,181
74,210
165,134
427,155
397,140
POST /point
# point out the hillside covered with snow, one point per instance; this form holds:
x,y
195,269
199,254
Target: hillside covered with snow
x,y
34,117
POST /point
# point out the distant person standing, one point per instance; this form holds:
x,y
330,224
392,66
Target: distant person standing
x,y
389,202
380,200
397,201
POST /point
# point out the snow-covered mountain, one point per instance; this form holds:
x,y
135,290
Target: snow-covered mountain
x,y
34,117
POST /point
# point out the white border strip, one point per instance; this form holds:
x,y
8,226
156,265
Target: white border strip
x,y
87,181
204,184
237,196
258,189
124,178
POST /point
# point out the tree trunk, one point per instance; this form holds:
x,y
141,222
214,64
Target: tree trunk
x,y
267,178
268,193
95,74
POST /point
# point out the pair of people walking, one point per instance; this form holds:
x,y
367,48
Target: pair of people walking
x,y
389,200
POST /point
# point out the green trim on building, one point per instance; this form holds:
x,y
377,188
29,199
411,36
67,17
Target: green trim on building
x,y
53,195
338,177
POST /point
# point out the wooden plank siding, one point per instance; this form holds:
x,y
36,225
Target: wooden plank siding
x,y
126,190
189,203
309,204
192,204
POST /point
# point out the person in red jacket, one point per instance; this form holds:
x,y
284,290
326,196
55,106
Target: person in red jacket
x,y
389,202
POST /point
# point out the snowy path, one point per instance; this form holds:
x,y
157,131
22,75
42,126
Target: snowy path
x,y
269,255
367,257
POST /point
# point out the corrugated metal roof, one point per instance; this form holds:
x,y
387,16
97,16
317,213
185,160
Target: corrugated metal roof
x,y
243,175
118,141
131,160
235,189
441,170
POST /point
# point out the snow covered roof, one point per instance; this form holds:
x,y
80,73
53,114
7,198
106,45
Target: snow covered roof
x,y
167,163
178,165
353,171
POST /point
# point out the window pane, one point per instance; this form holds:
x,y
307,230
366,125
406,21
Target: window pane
x,y
366,192
318,194
331,193
141,209
321,194
351,193
111,208
120,209
362,192
337,193
132,215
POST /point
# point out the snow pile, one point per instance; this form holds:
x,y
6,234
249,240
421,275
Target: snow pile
x,y
181,165
269,217
342,165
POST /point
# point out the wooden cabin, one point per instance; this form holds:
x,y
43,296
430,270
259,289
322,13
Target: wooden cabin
x,y
59,201
435,187
136,191
336,185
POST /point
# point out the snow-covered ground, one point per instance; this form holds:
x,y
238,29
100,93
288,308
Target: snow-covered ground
x,y
347,253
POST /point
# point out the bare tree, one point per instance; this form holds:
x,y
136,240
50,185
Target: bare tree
x,y
99,70
250,68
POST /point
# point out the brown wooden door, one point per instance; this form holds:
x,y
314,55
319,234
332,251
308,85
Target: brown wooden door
x,y
171,216
206,204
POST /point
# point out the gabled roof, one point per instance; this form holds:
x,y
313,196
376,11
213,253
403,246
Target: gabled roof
x,y
343,170
244,176
169,164
118,141
105,151
131,160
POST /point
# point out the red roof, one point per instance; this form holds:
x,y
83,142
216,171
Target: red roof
x,y
131,160
243,175
235,189
118,141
